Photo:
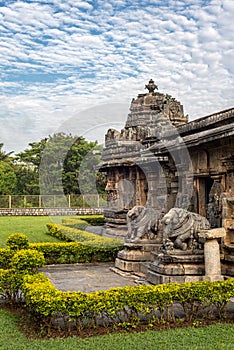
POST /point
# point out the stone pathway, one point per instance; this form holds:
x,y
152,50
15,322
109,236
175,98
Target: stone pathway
x,y
87,277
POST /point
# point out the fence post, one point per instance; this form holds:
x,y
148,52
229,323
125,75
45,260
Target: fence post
x,y
9,200
69,201
83,201
39,201
25,201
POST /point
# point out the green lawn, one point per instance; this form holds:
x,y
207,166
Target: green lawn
x,y
32,226
215,337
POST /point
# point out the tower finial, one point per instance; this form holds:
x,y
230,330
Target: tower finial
x,y
151,86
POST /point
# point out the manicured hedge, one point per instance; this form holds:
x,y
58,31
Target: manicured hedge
x,y
75,252
125,307
5,257
75,223
95,220
82,221
80,246
66,253
70,234
23,262
116,308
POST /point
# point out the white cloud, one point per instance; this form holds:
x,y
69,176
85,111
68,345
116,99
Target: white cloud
x,y
58,58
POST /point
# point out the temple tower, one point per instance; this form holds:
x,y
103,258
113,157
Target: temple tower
x,y
131,180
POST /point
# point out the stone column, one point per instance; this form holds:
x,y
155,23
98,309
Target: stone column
x,y
212,253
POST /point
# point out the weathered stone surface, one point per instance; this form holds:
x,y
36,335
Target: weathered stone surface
x,y
135,255
128,266
212,260
181,229
212,234
156,278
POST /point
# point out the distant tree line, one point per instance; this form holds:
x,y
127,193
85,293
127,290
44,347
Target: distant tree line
x,y
51,164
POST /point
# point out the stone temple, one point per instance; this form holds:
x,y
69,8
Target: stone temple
x,y
170,189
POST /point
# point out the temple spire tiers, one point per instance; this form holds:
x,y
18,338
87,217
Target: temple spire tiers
x,y
153,115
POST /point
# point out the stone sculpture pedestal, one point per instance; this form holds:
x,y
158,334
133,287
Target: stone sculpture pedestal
x,y
212,253
132,257
176,266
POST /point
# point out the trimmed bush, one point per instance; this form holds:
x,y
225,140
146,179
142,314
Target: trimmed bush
x,y
98,249
27,261
5,256
10,285
94,220
69,234
17,241
75,252
24,261
125,307
75,223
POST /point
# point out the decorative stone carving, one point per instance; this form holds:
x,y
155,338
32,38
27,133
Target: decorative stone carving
x,y
151,86
143,223
214,208
181,228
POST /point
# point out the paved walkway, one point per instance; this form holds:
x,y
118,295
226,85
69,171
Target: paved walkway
x,y
86,277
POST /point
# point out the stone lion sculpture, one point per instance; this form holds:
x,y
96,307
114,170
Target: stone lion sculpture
x,y
180,228
142,223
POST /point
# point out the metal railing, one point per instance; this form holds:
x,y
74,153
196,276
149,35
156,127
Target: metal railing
x,y
53,201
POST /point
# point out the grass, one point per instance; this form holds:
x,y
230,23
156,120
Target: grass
x,y
215,337
32,226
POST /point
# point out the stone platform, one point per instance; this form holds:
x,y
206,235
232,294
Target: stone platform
x,y
87,277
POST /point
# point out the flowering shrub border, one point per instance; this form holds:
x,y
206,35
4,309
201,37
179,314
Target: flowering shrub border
x,y
71,234
82,221
125,307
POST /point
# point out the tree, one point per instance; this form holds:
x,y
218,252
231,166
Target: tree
x,y
3,155
7,174
27,181
52,165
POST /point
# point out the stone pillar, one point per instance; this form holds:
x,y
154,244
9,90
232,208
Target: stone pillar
x,y
212,253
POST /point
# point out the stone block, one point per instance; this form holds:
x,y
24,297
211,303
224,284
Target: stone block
x,y
134,255
177,269
128,266
155,278
213,234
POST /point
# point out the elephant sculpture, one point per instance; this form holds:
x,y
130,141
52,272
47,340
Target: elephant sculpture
x,y
142,223
181,227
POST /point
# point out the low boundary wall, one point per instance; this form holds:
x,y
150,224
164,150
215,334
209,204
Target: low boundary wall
x,y
50,211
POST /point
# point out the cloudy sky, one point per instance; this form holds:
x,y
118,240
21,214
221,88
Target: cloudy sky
x,y
75,65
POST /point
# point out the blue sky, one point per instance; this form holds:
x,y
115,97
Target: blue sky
x,y
75,65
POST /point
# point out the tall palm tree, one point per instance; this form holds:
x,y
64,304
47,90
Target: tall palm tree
x,y
3,155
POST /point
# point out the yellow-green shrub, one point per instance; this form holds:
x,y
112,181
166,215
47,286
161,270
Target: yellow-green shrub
x,y
70,234
17,241
75,252
75,223
24,261
10,285
5,257
27,261
94,220
125,306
